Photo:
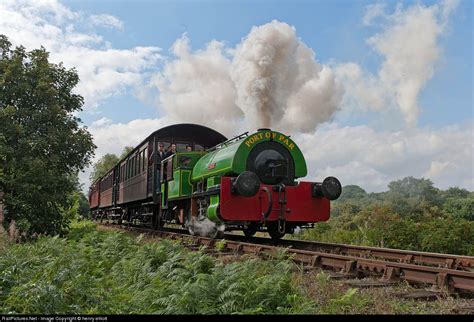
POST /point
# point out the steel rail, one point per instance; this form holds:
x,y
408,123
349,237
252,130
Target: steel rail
x,y
449,261
443,279
406,256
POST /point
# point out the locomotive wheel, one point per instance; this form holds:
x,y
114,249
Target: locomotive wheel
x,y
249,232
275,235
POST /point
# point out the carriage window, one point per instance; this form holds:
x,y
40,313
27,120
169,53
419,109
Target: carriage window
x,y
145,157
135,164
198,147
140,160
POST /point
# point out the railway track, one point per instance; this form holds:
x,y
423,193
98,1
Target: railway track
x,y
444,272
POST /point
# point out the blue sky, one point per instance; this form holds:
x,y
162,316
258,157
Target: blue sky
x,y
334,30
388,95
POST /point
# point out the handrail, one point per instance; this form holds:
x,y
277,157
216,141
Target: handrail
x,y
238,137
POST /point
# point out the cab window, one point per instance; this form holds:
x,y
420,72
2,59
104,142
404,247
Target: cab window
x,y
184,161
180,147
198,147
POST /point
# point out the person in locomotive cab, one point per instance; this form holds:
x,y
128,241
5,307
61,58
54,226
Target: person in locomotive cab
x,y
189,148
171,150
161,156
161,152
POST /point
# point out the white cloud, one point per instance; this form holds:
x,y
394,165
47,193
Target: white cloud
x,y
114,137
196,87
410,47
363,156
269,80
101,122
108,21
372,12
103,71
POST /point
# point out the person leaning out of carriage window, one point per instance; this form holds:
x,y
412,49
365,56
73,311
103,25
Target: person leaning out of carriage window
x,y
189,148
161,156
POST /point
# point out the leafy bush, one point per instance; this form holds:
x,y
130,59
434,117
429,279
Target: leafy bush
x,y
95,272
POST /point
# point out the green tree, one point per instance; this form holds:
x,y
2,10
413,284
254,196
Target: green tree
x,y
460,207
104,164
352,192
410,196
126,150
421,189
83,210
107,162
42,145
448,235
455,192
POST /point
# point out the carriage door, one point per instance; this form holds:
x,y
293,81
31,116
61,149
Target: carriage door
x,y
166,175
151,162
116,189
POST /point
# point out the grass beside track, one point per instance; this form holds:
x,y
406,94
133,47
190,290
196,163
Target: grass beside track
x,y
110,272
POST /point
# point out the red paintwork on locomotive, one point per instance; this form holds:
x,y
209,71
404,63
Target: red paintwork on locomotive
x,y
300,205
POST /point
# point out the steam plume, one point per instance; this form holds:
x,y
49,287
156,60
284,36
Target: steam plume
x,y
271,79
279,83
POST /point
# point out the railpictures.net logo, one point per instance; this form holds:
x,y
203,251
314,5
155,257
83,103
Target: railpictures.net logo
x,y
54,318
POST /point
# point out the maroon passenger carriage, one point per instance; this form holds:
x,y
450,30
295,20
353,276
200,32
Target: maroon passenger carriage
x,y
127,191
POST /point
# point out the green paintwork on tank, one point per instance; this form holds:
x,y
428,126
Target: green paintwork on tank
x,y
215,163
212,209
213,181
180,186
232,158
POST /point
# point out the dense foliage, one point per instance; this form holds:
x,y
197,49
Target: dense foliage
x,y
107,162
42,145
95,272
412,214
110,272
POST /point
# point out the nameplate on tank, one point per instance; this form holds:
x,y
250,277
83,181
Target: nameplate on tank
x,y
253,139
